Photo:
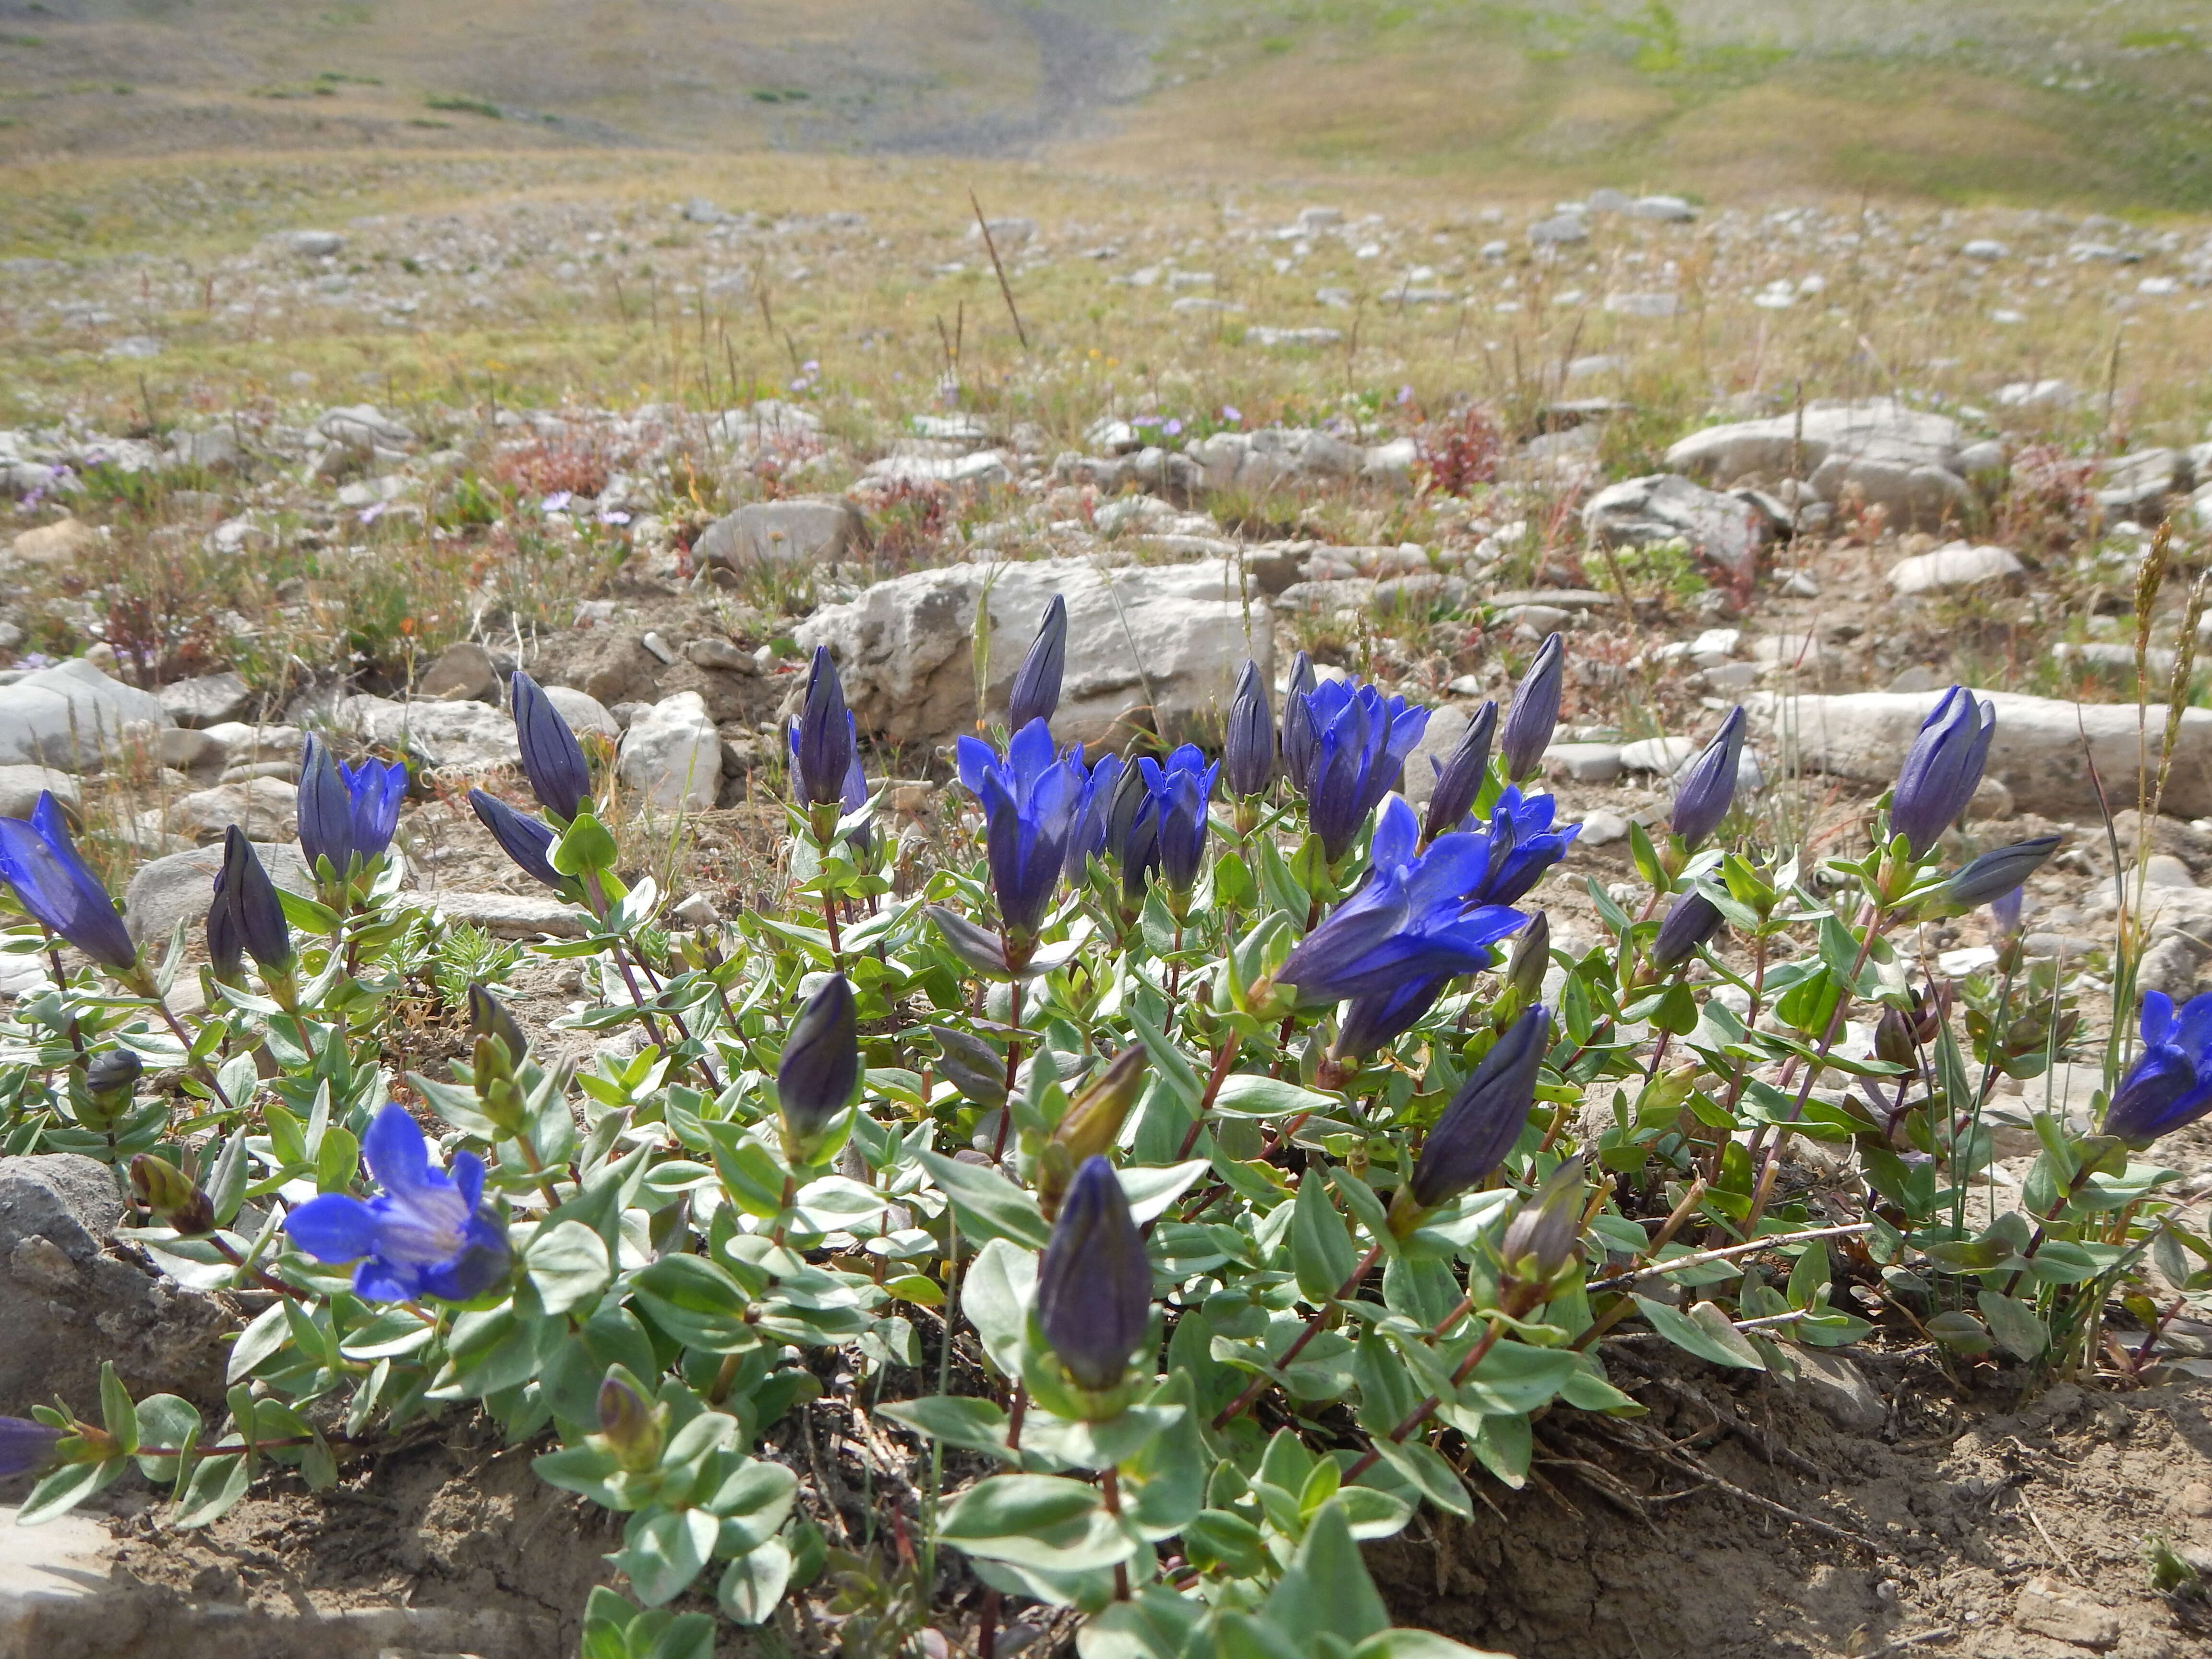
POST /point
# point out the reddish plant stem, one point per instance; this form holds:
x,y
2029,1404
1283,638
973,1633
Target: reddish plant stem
x,y
1259,1385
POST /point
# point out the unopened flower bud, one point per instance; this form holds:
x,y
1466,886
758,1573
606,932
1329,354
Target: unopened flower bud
x,y
1460,778
1998,873
490,1017
1485,1118
162,1188
1531,959
1690,923
1534,714
1892,1038
111,1076
1092,1124
1540,1237
630,1425
820,1063
1942,769
1095,1286
1708,783
1036,694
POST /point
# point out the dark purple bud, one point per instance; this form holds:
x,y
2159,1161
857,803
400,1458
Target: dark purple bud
x,y
1707,786
27,1446
522,838
629,1425
1487,1114
823,741
1536,711
1036,696
1094,1297
1692,920
1541,1235
255,915
1892,1038
552,759
346,812
489,1017
1997,872
51,882
1301,735
1248,750
1942,769
1378,1019
114,1074
1459,779
820,1063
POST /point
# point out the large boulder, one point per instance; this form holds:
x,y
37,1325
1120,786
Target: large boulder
x,y
2037,752
1666,507
672,754
67,1302
804,529
70,716
471,736
1162,646
1902,459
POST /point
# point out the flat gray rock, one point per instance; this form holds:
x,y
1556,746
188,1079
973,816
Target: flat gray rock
x,y
672,755
470,736
773,534
179,886
207,699
510,915
71,716
1958,565
22,786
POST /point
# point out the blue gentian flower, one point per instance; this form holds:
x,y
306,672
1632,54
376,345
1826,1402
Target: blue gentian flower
x,y
1519,846
820,1063
346,812
1942,768
2170,1084
1036,694
1174,812
1362,739
552,759
1487,1114
1410,921
1301,736
1248,748
823,736
422,1235
1534,714
526,840
1089,840
1460,778
1029,801
39,861
1707,788
1998,873
1690,924
27,1446
1374,1021
246,917
1094,1296
854,798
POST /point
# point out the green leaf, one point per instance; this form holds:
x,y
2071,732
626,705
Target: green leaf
x,y
696,1302
1041,1520
1254,1094
957,1421
257,1342
988,1205
1322,1256
995,1297
754,1583
1515,1376
164,1420
663,1553
1961,1330
118,1414
216,1484
689,1636
752,1503
567,1265
1326,1590
2016,1326
1700,1331
1218,1541
69,1485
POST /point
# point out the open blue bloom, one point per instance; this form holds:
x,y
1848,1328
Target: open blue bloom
x,y
526,840
1094,1297
1519,846
1362,739
1029,800
422,1235
1410,921
1090,839
2170,1085
1942,768
1174,812
552,759
347,812
823,737
1036,694
39,861
1248,747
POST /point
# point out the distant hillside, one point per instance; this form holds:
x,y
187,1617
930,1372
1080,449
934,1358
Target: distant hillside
x,y
2032,100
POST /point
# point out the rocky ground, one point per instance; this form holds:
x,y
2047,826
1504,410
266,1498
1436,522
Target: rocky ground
x,y
1724,452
